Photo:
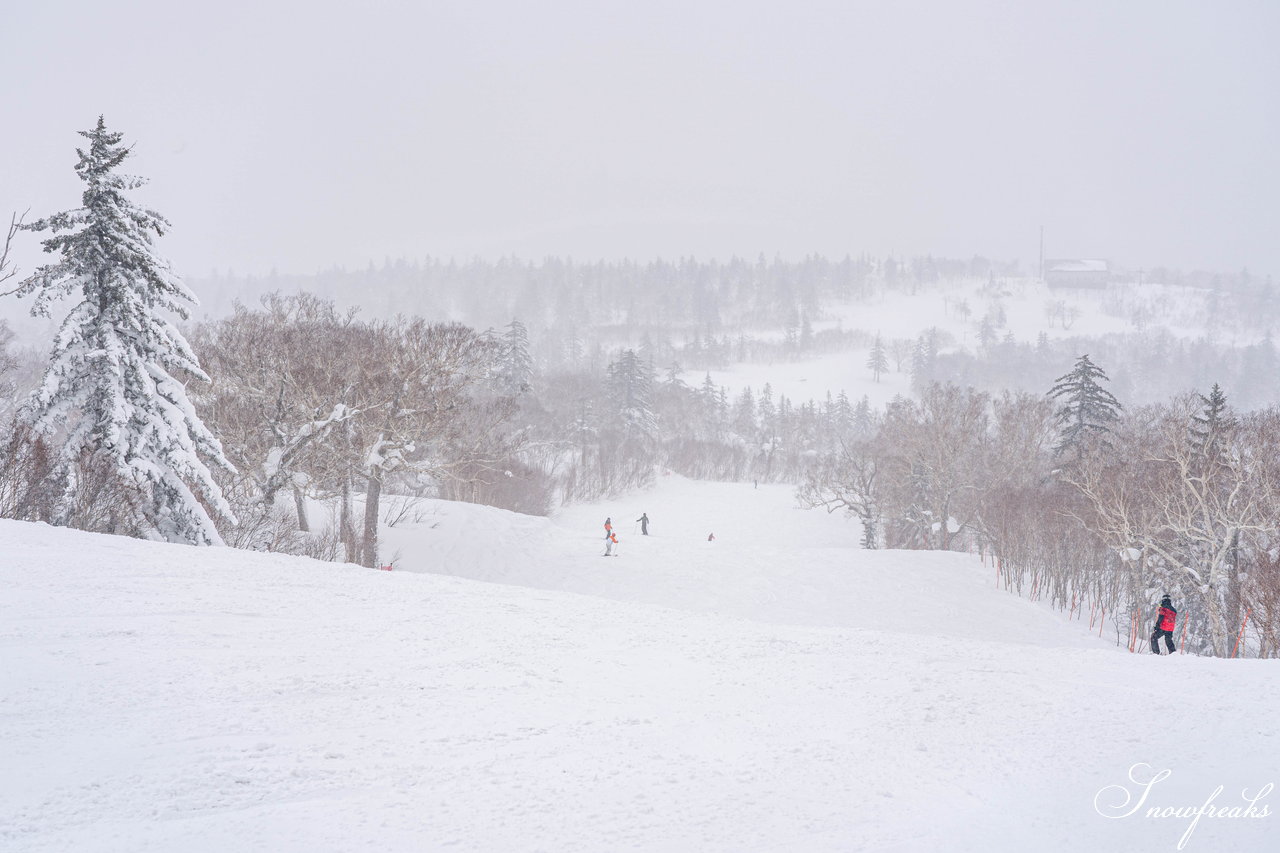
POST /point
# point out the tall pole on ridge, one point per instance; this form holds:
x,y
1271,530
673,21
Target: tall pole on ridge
x,y
1042,253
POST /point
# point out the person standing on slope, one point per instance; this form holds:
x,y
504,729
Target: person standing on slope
x,y
610,539
1166,618
644,523
608,526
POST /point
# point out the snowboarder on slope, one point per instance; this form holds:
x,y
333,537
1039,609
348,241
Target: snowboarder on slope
x,y
644,523
1166,618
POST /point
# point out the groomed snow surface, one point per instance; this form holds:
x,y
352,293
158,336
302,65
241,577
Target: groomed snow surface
x,y
508,688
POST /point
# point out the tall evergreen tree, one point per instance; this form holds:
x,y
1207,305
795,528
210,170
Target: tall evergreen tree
x,y
1087,407
864,420
878,361
515,370
573,348
768,412
924,359
109,392
1213,482
1210,429
987,331
844,417
629,386
744,415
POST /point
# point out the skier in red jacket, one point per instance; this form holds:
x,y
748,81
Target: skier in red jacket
x,y
1165,620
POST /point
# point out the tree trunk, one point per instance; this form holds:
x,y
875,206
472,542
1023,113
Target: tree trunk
x,y
373,494
346,523
1137,576
1233,587
1217,625
869,524
300,501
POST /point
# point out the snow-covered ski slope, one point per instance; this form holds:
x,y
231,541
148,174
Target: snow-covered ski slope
x,y
774,690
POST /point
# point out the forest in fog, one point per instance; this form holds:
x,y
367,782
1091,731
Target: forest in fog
x,y
341,397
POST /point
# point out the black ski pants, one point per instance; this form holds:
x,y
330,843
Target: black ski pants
x,y
1168,641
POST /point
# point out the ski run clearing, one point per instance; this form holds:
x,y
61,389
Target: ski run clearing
x,y
507,688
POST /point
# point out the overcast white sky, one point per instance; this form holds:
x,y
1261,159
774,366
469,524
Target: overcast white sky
x,y
303,135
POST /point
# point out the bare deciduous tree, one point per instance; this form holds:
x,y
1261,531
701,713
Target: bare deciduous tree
x,y
847,481
7,270
932,463
1157,502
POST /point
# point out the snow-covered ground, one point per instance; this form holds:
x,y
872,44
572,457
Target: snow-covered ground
x,y
775,689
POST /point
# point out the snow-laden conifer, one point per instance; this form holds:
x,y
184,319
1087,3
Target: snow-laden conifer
x,y
877,361
1211,430
630,381
515,372
1087,408
111,394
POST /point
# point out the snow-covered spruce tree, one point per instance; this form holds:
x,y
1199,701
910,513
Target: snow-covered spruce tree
x,y
515,372
877,361
629,441
1213,477
630,384
109,395
1210,430
1087,409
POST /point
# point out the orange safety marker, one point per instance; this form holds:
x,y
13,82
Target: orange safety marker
x,y
1243,625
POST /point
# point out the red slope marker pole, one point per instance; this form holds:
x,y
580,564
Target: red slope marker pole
x,y
1243,625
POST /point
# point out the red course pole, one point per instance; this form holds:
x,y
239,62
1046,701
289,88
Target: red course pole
x,y
1243,625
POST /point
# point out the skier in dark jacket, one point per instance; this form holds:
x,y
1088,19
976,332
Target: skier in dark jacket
x,y
1166,618
644,523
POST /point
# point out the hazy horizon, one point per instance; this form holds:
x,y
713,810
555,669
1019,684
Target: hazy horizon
x,y
273,140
